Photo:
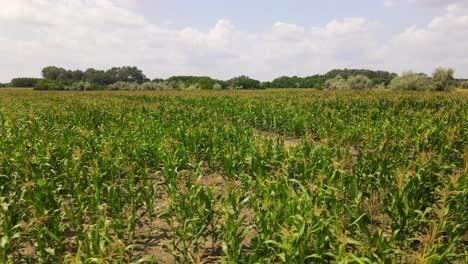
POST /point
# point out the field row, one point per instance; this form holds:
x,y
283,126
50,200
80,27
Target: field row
x,y
290,176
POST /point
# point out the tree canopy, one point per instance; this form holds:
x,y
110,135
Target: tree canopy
x,y
101,77
91,79
442,79
244,82
24,82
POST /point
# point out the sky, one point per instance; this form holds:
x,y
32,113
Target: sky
x,y
263,39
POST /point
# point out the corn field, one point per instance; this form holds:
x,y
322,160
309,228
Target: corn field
x,y
274,176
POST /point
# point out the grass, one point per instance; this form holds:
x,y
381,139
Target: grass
x,y
283,176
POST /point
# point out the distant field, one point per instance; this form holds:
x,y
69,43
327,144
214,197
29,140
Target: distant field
x,y
4,89
270,176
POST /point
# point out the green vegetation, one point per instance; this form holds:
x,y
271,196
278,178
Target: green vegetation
x,y
360,82
318,81
337,83
99,77
357,82
410,81
275,176
377,77
24,82
128,78
464,85
204,83
442,79
315,81
243,82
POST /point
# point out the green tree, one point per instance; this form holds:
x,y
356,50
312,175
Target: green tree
x,y
377,77
410,81
337,83
97,76
53,72
124,74
24,82
442,79
48,84
359,82
464,85
244,82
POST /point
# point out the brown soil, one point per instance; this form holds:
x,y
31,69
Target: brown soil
x,y
288,142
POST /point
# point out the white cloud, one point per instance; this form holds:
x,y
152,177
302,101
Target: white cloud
x,y
389,3
442,42
437,2
427,3
105,33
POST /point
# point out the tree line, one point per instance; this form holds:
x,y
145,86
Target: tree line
x,y
132,78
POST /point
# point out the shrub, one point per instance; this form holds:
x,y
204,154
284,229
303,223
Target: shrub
x,y
337,83
217,86
464,85
164,86
24,82
149,86
46,84
380,86
160,86
124,86
359,82
80,86
442,79
410,81
191,87
244,82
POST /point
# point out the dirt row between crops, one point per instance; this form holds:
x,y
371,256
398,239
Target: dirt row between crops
x,y
154,235
289,142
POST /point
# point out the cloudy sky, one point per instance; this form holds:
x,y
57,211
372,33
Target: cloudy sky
x,y
220,38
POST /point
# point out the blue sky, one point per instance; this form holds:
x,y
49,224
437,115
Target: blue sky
x,y
260,38
259,15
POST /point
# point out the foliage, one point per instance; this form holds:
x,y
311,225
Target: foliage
x,y
337,83
380,87
124,86
316,81
61,74
359,82
243,82
125,74
442,79
155,86
68,85
48,84
377,77
100,77
464,85
24,82
81,86
410,81
203,82
217,86
184,177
